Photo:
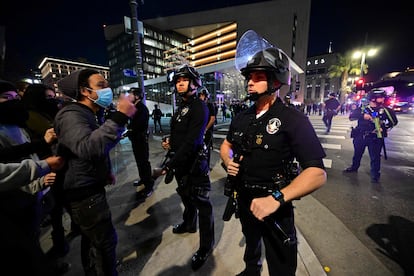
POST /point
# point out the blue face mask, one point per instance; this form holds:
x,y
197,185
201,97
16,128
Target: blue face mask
x,y
105,97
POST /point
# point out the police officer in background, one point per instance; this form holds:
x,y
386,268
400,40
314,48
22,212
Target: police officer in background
x,y
288,103
204,95
138,135
332,107
266,138
373,122
189,162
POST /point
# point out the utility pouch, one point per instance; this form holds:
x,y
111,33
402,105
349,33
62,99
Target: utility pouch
x,y
355,132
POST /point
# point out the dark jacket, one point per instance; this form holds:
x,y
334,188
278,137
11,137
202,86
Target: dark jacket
x,y
86,147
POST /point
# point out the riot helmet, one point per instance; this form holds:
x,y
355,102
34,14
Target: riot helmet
x,y
254,53
271,60
137,92
188,72
375,94
202,90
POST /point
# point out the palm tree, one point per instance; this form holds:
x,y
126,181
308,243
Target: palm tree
x,y
344,67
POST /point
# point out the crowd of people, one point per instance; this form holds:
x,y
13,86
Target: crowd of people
x,y
55,157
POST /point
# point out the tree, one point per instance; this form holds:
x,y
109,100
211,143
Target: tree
x,y
344,67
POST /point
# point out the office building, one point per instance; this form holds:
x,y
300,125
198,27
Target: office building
x,y
54,69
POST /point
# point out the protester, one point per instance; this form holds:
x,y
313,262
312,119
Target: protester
x,y
85,145
138,135
259,150
189,162
14,175
374,121
41,104
20,208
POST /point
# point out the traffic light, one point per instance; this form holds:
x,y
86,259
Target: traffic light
x,y
359,84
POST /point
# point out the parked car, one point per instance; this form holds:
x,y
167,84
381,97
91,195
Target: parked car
x,y
403,107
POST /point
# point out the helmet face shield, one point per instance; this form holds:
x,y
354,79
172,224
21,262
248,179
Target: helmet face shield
x,y
255,53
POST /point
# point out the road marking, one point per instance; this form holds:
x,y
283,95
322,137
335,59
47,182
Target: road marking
x,y
331,146
341,137
327,163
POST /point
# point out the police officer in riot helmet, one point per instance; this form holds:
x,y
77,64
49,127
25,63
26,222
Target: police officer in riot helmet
x,y
374,120
189,162
259,150
288,102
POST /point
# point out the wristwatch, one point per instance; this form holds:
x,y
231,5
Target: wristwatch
x,y
278,195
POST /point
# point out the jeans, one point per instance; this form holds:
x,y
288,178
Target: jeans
x,y
99,239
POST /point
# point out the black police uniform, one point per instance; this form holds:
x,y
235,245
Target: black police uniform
x,y
266,143
365,135
138,135
331,106
191,169
208,136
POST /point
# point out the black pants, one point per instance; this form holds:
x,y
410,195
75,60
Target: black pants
x,y
327,119
157,121
99,239
140,148
374,146
197,197
281,257
208,141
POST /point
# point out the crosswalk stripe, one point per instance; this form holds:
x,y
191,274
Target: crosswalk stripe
x,y
341,137
327,163
331,146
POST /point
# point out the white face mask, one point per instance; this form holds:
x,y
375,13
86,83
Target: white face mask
x,y
105,97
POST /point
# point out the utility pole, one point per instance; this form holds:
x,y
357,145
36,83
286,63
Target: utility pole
x,y
137,43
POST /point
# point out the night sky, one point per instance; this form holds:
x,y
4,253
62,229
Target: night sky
x,y
74,29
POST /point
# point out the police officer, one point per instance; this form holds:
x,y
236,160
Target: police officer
x,y
189,162
288,103
204,95
374,120
332,107
266,138
138,135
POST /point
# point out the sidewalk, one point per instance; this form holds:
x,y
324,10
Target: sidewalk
x,y
146,244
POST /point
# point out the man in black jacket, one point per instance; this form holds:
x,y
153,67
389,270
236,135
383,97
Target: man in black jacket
x,y
86,145
138,134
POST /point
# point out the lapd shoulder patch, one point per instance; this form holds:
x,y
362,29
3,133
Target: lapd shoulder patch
x,y
273,125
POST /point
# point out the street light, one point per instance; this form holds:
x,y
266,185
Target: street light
x,y
363,54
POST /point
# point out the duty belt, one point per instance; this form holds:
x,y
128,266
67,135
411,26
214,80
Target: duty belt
x,y
259,187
